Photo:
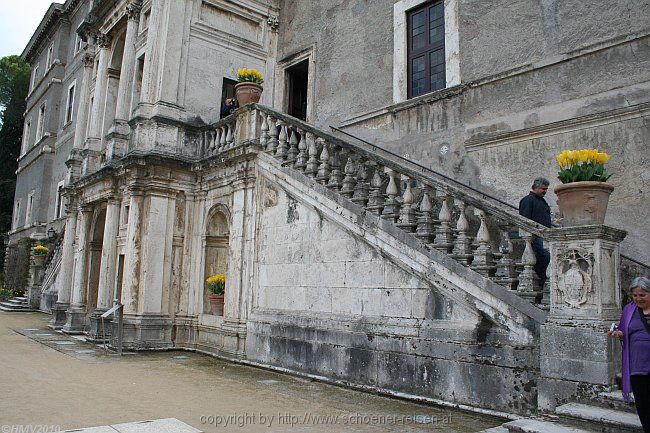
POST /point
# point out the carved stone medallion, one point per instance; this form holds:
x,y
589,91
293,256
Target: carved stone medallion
x,y
574,277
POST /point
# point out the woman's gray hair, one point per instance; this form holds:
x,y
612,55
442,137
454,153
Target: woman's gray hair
x,y
642,283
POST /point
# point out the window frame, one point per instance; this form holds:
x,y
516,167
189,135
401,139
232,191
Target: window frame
x,y
29,209
58,208
69,105
400,38
50,56
34,76
427,50
40,125
26,131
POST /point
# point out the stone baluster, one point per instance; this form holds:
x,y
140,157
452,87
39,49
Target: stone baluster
x,y
311,169
376,196
391,205
528,286
425,230
281,150
335,166
506,274
301,157
222,139
407,220
272,142
324,168
462,250
264,128
293,147
350,170
361,188
483,262
444,239
230,136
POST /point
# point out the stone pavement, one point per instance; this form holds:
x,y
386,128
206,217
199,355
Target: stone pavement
x,y
56,382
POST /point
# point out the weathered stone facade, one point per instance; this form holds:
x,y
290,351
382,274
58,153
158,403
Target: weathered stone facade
x,y
344,261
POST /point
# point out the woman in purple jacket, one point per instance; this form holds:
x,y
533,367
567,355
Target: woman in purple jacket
x,y
634,331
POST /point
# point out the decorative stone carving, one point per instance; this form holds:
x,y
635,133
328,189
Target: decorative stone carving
x,y
133,11
574,282
103,41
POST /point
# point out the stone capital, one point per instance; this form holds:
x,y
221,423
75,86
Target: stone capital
x,y
103,41
133,11
88,60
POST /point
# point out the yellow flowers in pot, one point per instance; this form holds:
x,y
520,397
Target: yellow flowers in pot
x,y
582,165
217,284
246,75
40,250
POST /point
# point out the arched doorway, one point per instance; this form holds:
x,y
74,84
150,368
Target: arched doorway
x,y
94,259
216,241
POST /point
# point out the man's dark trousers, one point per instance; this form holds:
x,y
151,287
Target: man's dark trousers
x,y
543,259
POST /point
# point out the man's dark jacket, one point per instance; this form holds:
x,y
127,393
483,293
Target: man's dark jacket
x,y
535,208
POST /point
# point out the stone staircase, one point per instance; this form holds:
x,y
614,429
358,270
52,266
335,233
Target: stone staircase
x,y
608,414
16,304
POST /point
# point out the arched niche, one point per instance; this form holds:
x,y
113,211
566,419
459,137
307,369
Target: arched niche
x,y
216,247
95,257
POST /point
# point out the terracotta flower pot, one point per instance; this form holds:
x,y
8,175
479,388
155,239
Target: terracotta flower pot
x,y
583,203
216,304
39,259
248,93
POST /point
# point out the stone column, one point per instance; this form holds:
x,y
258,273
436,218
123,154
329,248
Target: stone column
x,y
64,279
128,65
92,149
74,161
76,314
131,282
577,359
109,256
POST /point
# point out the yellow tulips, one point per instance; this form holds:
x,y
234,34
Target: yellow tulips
x,y
582,165
249,75
583,156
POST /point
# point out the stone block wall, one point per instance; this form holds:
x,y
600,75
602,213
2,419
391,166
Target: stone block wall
x,y
329,303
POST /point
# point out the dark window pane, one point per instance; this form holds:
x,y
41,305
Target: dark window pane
x,y
437,68
418,28
418,78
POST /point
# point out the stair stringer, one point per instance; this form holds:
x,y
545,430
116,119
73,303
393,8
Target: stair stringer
x,y
464,286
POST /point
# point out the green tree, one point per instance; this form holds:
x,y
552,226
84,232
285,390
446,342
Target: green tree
x,y
14,84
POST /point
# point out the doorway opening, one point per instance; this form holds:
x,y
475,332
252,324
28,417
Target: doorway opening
x,y
297,78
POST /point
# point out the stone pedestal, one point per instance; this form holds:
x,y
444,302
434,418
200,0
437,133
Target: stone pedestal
x,y
75,320
58,316
145,332
94,331
577,359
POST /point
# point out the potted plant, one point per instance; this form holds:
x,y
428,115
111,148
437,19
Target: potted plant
x,y
216,290
39,252
583,195
249,87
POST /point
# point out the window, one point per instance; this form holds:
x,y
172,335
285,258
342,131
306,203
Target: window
x,y
58,212
426,49
28,127
34,77
28,210
50,55
16,214
69,106
40,126
77,44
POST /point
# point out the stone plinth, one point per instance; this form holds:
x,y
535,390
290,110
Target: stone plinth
x,y
577,360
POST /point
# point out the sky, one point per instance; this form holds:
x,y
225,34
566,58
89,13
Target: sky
x,y
18,21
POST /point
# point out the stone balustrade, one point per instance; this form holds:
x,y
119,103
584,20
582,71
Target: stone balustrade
x,y
477,230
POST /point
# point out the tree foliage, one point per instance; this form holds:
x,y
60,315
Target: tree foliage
x,y
14,84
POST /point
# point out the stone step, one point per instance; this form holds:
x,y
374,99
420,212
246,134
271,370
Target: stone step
x,y
528,425
598,418
499,429
20,298
13,308
614,400
15,301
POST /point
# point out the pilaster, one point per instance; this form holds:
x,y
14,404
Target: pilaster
x,y
67,267
577,359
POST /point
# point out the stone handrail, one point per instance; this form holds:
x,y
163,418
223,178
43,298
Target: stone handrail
x,y
473,228
52,263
